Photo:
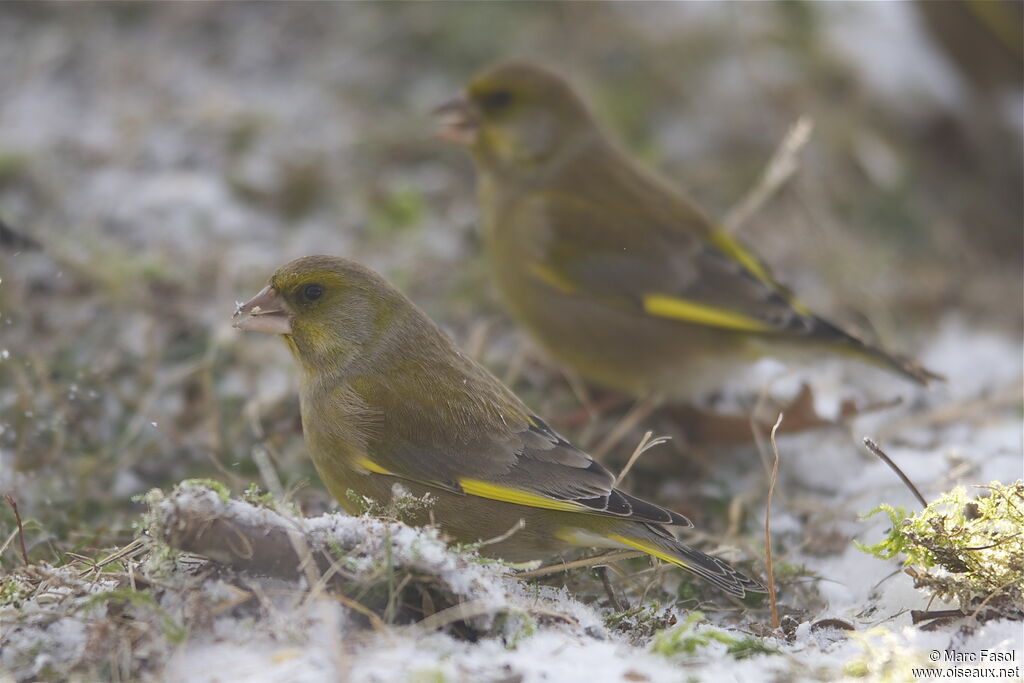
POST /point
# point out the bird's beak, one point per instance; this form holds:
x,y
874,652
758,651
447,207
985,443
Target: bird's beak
x,y
265,312
458,122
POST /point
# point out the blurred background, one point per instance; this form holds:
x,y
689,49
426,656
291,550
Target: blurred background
x,y
158,161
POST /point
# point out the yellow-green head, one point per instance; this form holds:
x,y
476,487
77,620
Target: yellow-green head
x,y
516,116
330,310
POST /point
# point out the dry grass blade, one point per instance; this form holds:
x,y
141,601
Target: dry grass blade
x,y
126,553
768,528
459,612
639,412
646,443
21,529
375,621
519,525
576,564
240,598
7,542
780,168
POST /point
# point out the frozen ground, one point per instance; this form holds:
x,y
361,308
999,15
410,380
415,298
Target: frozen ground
x,y
167,159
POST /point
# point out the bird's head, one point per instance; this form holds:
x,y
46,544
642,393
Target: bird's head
x,y
516,116
330,310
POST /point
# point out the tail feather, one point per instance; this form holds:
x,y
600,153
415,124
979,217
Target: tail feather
x,y
904,365
665,547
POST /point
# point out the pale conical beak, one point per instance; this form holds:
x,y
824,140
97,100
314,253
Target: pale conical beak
x,y
265,312
458,122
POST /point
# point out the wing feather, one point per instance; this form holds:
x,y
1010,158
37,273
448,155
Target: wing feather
x,y
507,454
691,273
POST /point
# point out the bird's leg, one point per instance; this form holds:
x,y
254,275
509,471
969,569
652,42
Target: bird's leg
x,y
602,571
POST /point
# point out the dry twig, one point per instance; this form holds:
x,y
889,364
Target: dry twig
x,y
602,571
780,168
576,564
514,529
638,413
873,447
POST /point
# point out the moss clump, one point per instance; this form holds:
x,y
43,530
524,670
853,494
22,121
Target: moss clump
x,y
641,622
220,489
962,549
12,592
257,497
686,639
403,506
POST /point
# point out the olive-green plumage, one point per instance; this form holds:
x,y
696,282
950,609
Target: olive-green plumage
x,y
387,398
617,274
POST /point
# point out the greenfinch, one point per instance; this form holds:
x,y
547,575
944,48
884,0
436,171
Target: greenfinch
x,y
388,400
615,273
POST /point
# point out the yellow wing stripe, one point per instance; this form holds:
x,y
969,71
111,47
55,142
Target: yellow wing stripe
x,y
552,278
732,248
649,548
680,309
370,465
484,489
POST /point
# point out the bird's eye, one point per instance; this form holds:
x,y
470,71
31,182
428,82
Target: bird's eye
x,y
312,292
495,100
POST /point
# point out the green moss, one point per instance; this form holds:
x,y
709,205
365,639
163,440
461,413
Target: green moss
x,y
403,507
686,639
12,592
896,541
641,622
220,489
254,495
517,627
962,548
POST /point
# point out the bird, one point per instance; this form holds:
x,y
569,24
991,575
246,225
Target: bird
x,y
618,275
387,399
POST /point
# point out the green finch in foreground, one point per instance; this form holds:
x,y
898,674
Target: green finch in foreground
x,y
619,276
387,398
